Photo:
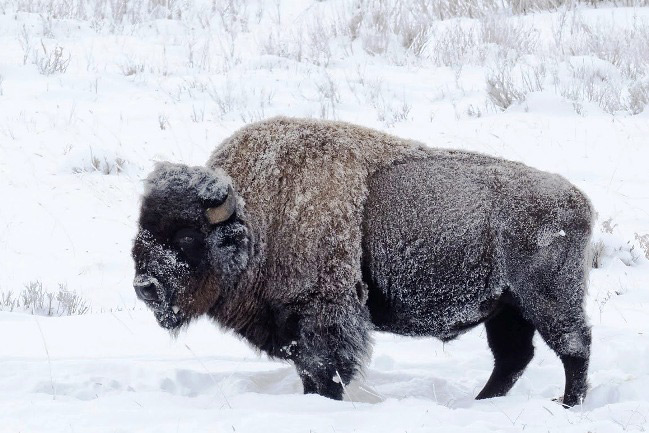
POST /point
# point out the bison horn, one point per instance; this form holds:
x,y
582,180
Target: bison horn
x,y
222,212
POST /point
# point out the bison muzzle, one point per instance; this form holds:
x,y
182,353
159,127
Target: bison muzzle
x,y
302,236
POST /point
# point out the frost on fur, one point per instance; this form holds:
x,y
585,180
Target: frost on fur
x,y
345,229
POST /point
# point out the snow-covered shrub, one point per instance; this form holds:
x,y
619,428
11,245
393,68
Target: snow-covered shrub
x,y
609,248
527,6
597,253
458,8
509,83
405,18
233,15
608,245
456,45
163,121
106,166
376,37
592,83
638,97
132,66
34,299
509,36
99,160
197,114
283,44
51,61
627,48
223,97
256,101
501,88
413,28
70,303
318,36
328,96
115,11
25,41
643,241
608,226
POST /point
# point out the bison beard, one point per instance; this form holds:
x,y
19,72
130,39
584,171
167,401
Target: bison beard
x,y
302,236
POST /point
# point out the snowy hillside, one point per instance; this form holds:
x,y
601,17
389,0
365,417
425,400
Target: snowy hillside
x,y
93,92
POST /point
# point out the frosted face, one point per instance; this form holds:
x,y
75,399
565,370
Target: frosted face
x,y
183,252
165,268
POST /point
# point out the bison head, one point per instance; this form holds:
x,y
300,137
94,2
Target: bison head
x,y
192,242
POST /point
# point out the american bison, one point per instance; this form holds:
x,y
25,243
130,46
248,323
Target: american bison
x,y
302,236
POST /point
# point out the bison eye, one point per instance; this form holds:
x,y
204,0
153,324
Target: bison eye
x,y
190,243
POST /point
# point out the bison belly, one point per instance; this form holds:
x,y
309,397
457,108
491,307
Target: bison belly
x,y
428,248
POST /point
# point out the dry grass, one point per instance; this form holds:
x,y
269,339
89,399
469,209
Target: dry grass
x,y
51,61
34,299
643,241
219,35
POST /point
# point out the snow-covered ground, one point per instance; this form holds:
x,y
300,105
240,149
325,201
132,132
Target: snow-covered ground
x,y
93,92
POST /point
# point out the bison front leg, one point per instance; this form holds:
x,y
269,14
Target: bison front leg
x,y
333,343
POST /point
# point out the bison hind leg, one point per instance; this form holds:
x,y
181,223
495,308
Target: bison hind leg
x,y
510,340
561,322
572,345
555,306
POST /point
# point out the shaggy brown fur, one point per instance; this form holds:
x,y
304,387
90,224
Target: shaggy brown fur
x,y
304,184
339,228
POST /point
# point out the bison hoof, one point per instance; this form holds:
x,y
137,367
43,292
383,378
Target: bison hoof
x,y
568,403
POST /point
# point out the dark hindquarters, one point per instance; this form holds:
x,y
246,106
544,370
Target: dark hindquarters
x,y
510,339
548,279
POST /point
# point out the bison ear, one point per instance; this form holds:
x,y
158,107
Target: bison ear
x,y
229,244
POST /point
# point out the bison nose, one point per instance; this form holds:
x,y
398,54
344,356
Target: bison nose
x,y
146,289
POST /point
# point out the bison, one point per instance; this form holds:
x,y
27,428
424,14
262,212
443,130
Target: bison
x,y
303,236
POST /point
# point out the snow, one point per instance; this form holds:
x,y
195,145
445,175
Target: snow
x,y
76,146
119,372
